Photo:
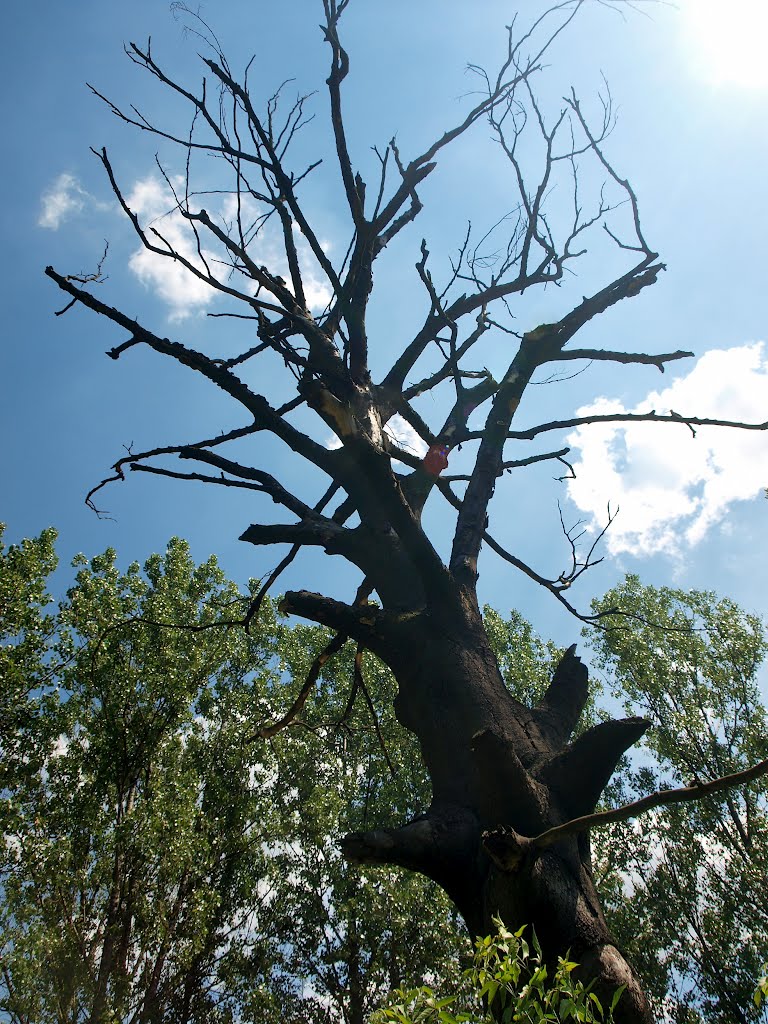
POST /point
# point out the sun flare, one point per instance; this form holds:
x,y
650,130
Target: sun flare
x,y
729,40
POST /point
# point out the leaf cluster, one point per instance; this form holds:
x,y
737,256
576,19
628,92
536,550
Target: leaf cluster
x,y
507,981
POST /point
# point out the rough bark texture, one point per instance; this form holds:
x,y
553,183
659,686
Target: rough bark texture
x,y
502,773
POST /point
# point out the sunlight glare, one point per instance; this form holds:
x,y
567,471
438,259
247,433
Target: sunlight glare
x,y
729,38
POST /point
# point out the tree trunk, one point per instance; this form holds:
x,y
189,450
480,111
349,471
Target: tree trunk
x,y
502,773
355,1013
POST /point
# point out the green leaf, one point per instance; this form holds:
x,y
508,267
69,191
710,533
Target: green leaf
x,y
616,997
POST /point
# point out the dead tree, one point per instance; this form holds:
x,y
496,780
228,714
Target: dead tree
x,y
502,773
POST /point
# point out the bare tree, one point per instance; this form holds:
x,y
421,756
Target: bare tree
x,y
502,773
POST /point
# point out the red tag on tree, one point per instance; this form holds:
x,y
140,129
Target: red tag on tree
x,y
436,459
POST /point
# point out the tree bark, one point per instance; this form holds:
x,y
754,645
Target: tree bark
x,y
501,773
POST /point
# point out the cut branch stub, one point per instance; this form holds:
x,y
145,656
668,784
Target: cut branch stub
x,y
578,774
441,844
411,846
506,847
559,709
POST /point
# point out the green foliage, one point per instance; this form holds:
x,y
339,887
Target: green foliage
x,y
506,982
369,934
761,992
161,861
525,660
27,631
685,886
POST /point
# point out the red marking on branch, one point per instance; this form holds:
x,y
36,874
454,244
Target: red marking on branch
x,y
436,459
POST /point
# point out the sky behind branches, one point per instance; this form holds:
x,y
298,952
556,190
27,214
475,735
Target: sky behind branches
x,y
692,98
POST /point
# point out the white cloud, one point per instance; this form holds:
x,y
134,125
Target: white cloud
x,y
673,488
64,198
184,293
317,292
401,432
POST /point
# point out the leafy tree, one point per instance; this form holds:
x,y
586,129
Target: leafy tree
x,y
29,632
164,860
502,772
361,930
696,871
144,761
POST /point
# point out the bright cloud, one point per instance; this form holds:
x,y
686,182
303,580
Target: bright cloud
x,y
184,293
401,432
316,290
673,488
65,198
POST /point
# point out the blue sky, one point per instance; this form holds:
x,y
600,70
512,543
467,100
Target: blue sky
x,y
692,95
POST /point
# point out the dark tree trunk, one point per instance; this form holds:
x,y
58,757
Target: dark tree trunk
x,y
502,772
355,1012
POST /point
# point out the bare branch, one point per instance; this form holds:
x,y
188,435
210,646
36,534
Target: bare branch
x,y
285,184
623,357
262,481
537,346
259,274
576,107
569,577
625,417
204,478
144,58
553,586
315,531
367,624
353,186
522,68
513,464
360,683
136,457
663,798
256,602
265,417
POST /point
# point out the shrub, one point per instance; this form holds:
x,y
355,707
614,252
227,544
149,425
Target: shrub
x,y
507,981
